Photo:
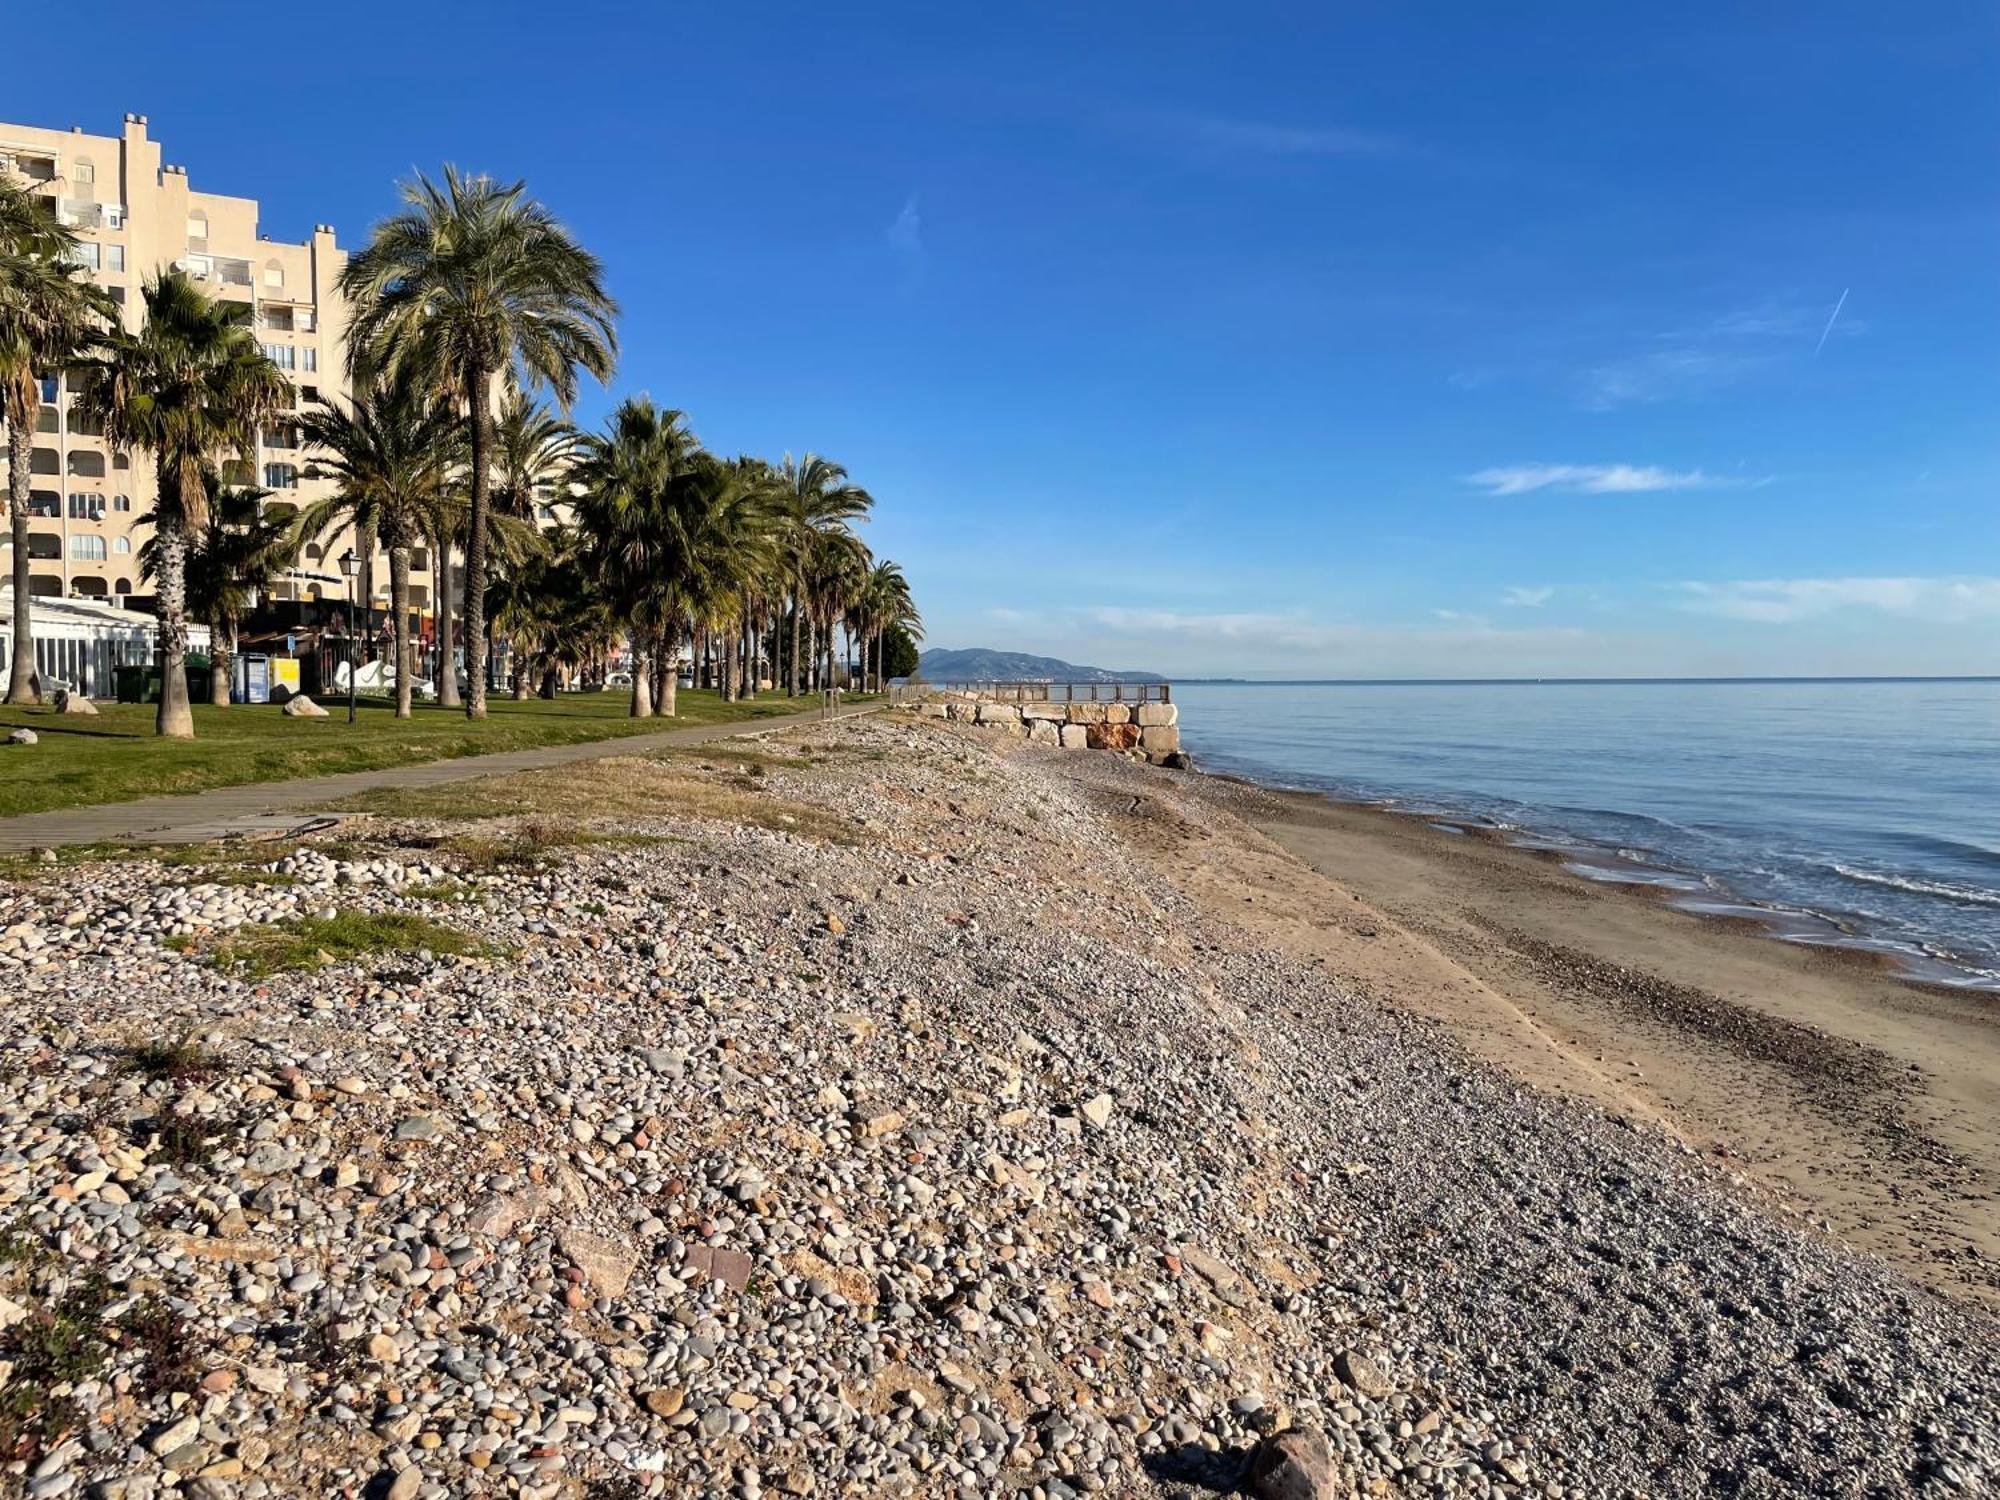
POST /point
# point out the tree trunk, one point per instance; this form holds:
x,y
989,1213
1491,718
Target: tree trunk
x,y
521,687
21,685
447,683
670,678
399,602
477,382
830,684
176,719
221,660
793,664
642,688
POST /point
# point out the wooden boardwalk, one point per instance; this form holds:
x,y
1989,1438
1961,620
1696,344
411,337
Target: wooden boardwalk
x,y
276,806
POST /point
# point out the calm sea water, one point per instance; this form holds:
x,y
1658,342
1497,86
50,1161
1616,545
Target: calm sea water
x,y
1858,813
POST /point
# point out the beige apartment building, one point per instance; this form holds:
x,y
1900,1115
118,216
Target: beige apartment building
x,y
135,215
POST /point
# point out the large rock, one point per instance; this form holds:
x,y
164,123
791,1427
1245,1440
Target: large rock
x,y
299,706
1044,732
934,710
999,713
1159,739
604,1262
1161,714
1118,713
74,703
1119,736
1054,712
23,737
961,711
1075,736
1087,713
1296,1465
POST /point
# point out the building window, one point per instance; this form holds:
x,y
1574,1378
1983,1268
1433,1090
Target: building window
x,y
44,546
122,504
308,323
198,230
274,274
122,545
86,548
87,253
82,173
86,507
281,355
114,257
45,503
281,476
311,360
199,266
90,465
49,384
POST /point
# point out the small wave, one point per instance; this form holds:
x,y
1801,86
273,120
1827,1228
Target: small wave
x,y
1944,890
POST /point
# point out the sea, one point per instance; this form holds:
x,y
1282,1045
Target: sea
x,y
1849,812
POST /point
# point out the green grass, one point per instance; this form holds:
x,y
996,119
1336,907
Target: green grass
x,y
115,757
309,942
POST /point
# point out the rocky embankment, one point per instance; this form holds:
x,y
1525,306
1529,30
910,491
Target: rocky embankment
x,y
944,1150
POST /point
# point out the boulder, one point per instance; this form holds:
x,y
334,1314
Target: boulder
x,y
604,1262
1118,713
1113,736
1177,760
933,710
999,713
1075,736
23,737
1044,732
1362,1373
74,703
1295,1465
299,706
1087,713
961,711
1054,712
1159,739
1160,714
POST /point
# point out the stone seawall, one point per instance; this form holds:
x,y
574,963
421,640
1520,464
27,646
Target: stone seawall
x,y
1149,731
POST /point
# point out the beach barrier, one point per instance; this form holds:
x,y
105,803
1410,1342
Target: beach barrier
x,y
1134,718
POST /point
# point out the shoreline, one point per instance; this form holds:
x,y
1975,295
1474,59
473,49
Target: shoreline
x,y
1844,1093
1699,893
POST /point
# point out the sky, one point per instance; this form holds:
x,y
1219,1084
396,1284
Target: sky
x,y
1334,340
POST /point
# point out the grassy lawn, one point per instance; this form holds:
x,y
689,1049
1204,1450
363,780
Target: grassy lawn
x,y
115,757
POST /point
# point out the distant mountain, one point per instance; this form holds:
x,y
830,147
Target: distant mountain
x,y
977,664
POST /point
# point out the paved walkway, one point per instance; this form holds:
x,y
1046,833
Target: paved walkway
x,y
274,806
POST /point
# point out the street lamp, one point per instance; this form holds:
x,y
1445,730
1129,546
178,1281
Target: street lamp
x,y
351,566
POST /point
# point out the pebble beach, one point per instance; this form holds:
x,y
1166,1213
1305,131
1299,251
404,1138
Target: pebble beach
x,y
874,1111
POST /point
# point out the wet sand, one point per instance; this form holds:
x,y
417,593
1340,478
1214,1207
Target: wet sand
x,y
1841,1095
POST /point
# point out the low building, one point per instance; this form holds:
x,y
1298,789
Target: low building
x,y
81,642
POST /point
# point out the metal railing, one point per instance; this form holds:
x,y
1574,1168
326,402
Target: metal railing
x,y
1055,692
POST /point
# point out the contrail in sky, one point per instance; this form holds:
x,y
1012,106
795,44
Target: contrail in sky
x,y
1831,321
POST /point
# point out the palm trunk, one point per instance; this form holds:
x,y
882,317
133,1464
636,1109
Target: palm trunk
x,y
642,669
793,664
830,683
221,658
399,601
521,685
176,719
20,455
670,678
447,683
477,392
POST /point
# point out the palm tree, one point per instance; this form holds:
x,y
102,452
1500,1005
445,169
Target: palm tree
x,y
239,553
730,525
392,452
533,450
820,500
881,602
633,541
471,280
190,387
49,315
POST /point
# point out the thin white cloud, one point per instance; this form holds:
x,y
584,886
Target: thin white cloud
x,y
1211,137
1519,596
1693,362
1784,601
906,234
1590,479
1257,633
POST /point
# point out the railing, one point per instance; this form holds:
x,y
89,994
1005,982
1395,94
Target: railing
x,y
1056,692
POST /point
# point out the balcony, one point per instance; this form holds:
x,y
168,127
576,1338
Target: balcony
x,y
75,213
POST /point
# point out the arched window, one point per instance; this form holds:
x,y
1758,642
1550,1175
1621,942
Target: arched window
x,y
314,552
86,463
84,547
90,588
274,275
122,545
197,230
124,586
121,504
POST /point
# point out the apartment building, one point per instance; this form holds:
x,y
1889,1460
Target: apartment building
x,y
133,216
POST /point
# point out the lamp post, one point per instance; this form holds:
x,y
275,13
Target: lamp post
x,y
351,566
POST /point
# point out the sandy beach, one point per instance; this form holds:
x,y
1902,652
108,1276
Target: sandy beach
x,y
1851,1099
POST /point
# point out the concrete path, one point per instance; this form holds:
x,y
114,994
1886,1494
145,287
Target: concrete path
x,y
274,806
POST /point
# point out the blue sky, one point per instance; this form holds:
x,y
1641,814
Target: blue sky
x,y
1345,340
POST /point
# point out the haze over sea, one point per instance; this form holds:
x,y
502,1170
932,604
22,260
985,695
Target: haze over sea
x,y
1862,812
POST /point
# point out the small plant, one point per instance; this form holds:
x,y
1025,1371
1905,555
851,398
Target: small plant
x,y
150,1327
52,1346
177,942
179,1059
